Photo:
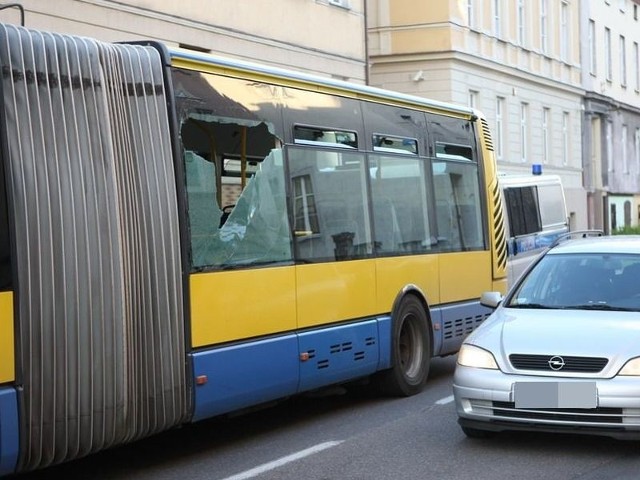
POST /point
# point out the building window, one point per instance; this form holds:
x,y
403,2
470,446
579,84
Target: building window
x,y
522,24
593,58
497,20
637,149
623,61
565,34
544,20
546,114
524,113
636,66
625,160
473,98
565,138
500,127
607,53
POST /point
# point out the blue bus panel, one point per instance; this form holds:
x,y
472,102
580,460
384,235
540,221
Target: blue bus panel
x,y
242,375
9,435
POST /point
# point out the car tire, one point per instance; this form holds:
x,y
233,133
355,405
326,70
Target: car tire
x,y
410,351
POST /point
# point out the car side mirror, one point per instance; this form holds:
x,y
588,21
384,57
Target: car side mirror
x,y
490,299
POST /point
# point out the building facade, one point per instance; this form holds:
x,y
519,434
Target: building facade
x,y
611,126
516,61
559,80
325,37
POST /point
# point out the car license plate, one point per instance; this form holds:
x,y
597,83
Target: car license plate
x,y
555,395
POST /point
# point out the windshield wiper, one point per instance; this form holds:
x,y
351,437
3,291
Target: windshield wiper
x,y
598,306
529,305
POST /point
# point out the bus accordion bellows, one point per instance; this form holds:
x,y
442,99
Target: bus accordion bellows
x,y
184,236
535,216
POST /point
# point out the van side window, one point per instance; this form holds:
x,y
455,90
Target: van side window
x,y
522,205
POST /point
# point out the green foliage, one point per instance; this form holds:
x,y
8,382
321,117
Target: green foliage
x,y
627,231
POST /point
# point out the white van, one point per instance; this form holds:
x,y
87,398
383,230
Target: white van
x,y
535,214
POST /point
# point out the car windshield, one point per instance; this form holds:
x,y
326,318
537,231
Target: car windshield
x,y
581,281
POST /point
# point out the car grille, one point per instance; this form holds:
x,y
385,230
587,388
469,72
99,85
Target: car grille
x,y
572,415
571,364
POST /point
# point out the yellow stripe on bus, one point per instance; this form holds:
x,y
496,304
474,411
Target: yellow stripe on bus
x,y
228,306
465,275
7,353
335,291
396,273
257,302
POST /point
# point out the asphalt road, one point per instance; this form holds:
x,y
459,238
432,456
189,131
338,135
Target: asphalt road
x,y
355,435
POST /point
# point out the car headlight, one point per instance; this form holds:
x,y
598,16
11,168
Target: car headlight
x,y
632,367
472,356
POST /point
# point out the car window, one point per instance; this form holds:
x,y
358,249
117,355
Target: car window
x,y
588,281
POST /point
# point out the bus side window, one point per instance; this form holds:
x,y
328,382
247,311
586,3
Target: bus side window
x,y
400,214
458,208
331,220
235,192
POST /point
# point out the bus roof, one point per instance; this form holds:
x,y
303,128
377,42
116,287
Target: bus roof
x,y
209,63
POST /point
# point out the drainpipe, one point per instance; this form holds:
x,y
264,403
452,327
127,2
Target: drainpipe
x,y
366,43
19,7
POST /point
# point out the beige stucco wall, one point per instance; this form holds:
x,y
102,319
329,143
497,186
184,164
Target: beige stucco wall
x,y
308,35
434,50
618,17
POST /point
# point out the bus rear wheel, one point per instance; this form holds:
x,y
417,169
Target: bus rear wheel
x,y
411,350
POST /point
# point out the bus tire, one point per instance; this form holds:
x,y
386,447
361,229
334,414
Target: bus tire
x,y
410,350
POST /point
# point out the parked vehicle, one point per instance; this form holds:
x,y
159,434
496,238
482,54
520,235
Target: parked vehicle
x,y
535,214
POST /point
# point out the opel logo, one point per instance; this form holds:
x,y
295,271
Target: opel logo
x,y
556,363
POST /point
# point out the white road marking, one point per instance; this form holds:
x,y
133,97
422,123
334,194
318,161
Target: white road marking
x,y
254,472
445,400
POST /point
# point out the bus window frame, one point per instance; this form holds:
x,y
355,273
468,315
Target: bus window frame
x,y
6,241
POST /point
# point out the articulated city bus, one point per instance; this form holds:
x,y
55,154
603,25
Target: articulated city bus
x,y
183,236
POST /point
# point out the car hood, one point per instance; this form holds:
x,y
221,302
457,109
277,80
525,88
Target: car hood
x,y
614,335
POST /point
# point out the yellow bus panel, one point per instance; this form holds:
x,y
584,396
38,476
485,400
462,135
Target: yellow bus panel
x,y
396,273
227,306
7,353
465,275
331,292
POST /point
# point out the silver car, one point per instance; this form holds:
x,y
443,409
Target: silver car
x,y
561,351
